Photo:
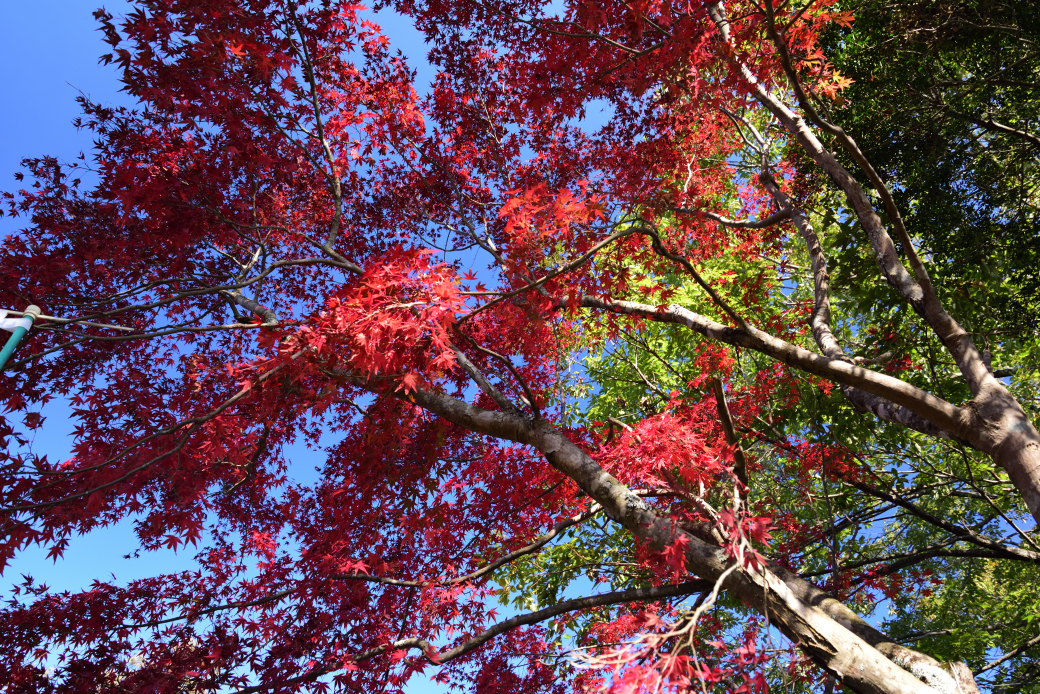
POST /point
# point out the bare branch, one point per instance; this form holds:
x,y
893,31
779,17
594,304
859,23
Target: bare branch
x,y
749,224
1008,656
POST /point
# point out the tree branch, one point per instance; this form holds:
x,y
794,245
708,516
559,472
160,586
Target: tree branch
x,y
942,414
618,597
739,460
827,631
769,221
483,571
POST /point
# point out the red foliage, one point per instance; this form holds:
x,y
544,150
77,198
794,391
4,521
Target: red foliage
x,y
292,241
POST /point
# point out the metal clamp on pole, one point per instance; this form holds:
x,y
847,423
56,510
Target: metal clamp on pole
x,y
18,327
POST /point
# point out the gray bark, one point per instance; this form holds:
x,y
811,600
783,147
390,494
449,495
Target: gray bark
x,y
828,632
993,422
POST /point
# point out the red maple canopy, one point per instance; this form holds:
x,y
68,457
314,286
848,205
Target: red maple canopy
x,y
290,241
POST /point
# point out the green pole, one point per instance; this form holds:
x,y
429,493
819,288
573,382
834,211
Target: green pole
x,y
12,342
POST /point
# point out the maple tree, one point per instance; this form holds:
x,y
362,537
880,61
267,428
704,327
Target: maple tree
x,y
589,366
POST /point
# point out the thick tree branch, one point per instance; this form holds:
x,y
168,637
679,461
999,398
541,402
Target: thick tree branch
x,y
820,324
479,378
269,316
941,413
828,632
997,425
918,292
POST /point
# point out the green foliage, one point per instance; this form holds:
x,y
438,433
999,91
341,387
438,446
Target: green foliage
x,y
929,539
945,104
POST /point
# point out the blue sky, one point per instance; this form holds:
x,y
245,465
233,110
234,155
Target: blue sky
x,y
49,53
